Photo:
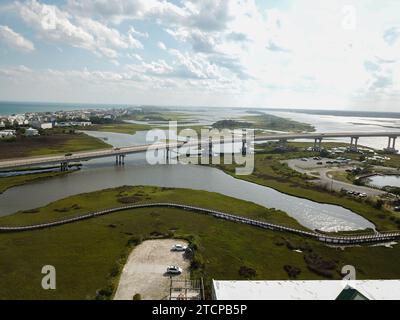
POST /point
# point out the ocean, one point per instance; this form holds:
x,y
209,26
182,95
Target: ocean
x,y
9,108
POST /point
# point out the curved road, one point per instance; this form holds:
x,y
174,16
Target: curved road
x,y
323,177
328,239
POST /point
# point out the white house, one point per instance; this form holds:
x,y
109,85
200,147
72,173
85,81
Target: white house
x,y
47,125
30,132
307,290
41,125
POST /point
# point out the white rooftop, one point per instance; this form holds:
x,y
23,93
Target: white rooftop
x,y
304,290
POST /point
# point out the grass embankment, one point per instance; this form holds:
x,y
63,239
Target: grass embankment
x,y
340,175
394,161
264,122
131,128
157,116
89,255
10,182
50,143
271,122
128,128
271,173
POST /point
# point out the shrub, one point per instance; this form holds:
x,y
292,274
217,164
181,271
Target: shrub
x,y
320,266
137,296
379,204
134,241
114,271
104,293
247,272
197,262
292,272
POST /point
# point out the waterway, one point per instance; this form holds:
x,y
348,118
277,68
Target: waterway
x,y
102,173
381,181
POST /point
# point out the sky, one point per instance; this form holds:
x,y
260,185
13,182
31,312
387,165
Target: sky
x,y
339,54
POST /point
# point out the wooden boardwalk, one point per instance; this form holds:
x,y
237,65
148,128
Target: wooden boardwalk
x,y
328,239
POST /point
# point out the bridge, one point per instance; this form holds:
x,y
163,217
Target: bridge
x,y
324,238
120,153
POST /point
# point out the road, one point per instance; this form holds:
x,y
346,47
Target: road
x,y
82,156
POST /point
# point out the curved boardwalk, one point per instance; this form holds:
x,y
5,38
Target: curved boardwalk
x,y
329,239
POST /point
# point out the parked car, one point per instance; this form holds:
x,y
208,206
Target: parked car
x,y
304,159
174,270
397,209
319,163
179,247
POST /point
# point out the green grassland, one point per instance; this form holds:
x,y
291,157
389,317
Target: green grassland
x,y
263,122
89,255
157,116
128,128
394,161
271,122
132,128
51,142
270,172
76,143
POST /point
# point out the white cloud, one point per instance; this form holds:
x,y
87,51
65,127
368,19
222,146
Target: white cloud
x,y
161,45
15,40
56,25
133,31
298,53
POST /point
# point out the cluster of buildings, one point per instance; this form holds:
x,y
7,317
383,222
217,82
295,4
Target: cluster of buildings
x,y
33,122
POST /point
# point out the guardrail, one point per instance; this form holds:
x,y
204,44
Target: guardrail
x,y
329,239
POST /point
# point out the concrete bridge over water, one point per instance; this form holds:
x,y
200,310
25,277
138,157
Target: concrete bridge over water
x,y
120,153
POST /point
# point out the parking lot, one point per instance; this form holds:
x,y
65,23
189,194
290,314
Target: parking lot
x,y
145,270
320,169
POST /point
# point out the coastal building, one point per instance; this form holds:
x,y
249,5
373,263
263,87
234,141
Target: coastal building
x,y
7,134
41,125
30,132
74,124
307,290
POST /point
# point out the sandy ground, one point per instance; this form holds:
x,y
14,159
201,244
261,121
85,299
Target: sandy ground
x,y
144,272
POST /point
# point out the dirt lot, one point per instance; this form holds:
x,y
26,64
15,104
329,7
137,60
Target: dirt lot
x,y
144,272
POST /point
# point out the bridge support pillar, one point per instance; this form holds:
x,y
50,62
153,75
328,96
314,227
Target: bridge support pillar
x,y
120,160
317,144
233,144
391,148
167,155
210,148
244,144
282,145
353,144
64,166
